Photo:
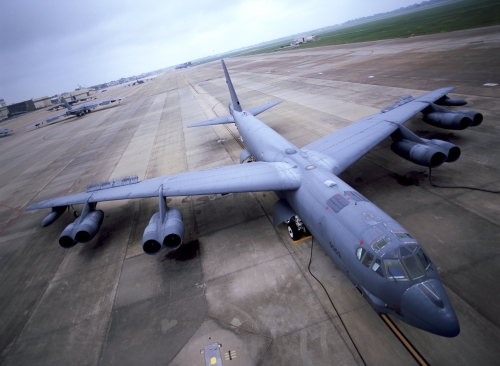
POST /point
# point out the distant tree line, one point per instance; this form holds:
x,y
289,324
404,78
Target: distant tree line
x,y
400,10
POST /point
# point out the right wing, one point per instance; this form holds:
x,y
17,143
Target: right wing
x,y
346,146
250,177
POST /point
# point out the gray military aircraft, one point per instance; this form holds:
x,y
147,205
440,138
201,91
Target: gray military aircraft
x,y
71,101
78,111
382,259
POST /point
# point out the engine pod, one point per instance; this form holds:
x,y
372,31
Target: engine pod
x,y
418,153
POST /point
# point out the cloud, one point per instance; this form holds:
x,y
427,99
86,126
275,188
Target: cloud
x,y
49,47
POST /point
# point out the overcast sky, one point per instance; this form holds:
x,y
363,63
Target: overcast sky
x,y
48,47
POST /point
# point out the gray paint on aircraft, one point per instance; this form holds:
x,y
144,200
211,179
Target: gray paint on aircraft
x,y
385,263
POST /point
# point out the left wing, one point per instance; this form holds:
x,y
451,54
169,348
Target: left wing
x,y
250,177
50,119
349,144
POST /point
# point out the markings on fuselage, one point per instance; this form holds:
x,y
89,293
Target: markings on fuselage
x,y
406,343
335,250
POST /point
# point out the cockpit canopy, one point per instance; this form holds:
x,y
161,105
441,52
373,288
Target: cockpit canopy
x,y
407,262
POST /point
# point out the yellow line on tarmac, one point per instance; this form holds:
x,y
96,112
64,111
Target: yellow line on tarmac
x,y
416,355
303,239
234,136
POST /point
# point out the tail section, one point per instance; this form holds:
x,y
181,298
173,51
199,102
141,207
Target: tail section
x,y
234,97
66,104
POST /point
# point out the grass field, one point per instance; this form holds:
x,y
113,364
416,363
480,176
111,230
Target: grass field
x,y
449,17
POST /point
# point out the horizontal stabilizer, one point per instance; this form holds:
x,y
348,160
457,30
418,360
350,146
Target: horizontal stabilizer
x,y
262,108
229,118
214,121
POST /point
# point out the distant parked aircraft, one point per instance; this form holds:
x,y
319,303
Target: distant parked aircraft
x,y
78,111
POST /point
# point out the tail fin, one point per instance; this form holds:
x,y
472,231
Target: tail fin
x,y
234,97
66,104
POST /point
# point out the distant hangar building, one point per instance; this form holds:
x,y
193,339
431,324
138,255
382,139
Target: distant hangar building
x,y
305,39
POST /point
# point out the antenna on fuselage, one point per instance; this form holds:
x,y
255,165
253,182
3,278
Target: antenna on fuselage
x,y
234,97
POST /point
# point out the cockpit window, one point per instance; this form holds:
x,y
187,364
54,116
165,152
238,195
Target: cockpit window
x,y
413,267
377,267
395,271
403,235
424,261
360,252
367,261
380,244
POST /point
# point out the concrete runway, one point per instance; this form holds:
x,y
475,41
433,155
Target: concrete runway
x,y
238,280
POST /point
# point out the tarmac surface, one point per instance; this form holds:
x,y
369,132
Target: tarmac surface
x,y
239,281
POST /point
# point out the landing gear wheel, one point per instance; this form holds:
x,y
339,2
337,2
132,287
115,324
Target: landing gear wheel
x,y
293,231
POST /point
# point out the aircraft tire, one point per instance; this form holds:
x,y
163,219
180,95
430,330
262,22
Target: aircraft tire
x,y
293,231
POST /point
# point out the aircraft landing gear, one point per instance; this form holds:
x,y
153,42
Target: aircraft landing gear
x,y
296,228
293,231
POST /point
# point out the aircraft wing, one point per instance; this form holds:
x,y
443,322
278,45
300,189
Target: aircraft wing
x,y
229,118
94,104
107,101
250,177
50,119
349,144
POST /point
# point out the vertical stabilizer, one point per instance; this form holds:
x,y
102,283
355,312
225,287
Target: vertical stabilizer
x,y
66,104
234,97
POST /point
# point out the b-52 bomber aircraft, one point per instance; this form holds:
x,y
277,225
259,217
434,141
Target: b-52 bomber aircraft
x,y
382,259
78,111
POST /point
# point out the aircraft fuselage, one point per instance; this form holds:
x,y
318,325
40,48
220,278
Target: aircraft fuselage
x,y
368,246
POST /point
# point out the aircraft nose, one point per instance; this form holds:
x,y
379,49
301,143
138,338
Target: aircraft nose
x,y
426,306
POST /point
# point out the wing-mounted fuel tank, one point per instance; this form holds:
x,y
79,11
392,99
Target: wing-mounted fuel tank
x,y
84,228
451,120
165,229
430,153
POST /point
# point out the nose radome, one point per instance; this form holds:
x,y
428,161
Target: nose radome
x,y
426,306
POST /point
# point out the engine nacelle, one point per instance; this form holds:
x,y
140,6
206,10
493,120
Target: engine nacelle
x,y
450,101
448,120
89,226
168,234
82,230
67,239
420,154
450,150
476,117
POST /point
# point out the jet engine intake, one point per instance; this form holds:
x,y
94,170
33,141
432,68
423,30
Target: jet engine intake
x,y
89,226
450,101
450,150
168,234
449,121
420,154
476,117
82,230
